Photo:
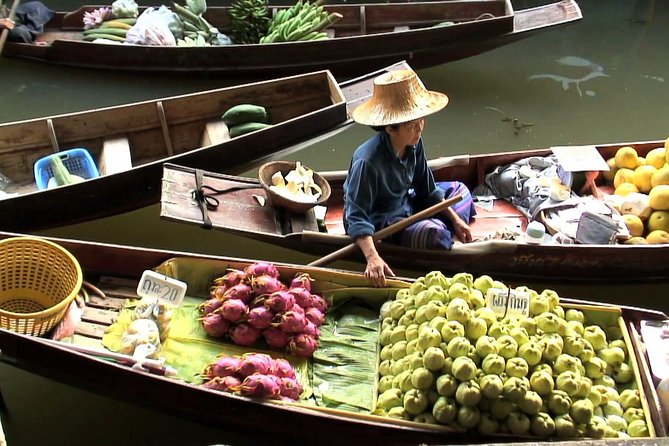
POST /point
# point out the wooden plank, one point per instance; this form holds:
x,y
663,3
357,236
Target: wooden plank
x,y
90,329
215,132
115,156
96,315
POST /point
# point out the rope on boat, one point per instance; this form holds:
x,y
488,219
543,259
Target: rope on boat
x,y
208,201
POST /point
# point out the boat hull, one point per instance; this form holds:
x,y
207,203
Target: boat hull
x,y
368,37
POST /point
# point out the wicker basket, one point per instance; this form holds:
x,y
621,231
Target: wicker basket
x,y
265,176
38,281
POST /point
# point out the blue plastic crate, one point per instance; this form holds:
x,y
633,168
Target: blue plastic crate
x,y
78,162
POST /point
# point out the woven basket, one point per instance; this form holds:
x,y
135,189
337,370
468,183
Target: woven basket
x,y
38,281
265,176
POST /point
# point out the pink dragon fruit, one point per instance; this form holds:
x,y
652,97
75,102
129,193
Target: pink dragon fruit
x,y
215,325
258,385
251,363
244,334
275,338
312,330
319,303
240,291
209,305
302,296
224,366
217,292
266,285
280,301
292,322
314,315
260,317
290,388
231,278
223,383
283,369
302,345
262,269
234,310
302,280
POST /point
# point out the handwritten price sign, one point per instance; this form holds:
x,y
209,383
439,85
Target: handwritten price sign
x,y
162,288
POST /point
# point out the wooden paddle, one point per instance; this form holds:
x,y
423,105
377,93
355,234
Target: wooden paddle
x,y
389,230
5,32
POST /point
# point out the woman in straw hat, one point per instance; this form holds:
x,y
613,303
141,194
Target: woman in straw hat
x,y
389,178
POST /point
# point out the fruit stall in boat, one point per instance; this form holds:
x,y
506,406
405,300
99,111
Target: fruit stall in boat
x,y
299,351
499,227
267,41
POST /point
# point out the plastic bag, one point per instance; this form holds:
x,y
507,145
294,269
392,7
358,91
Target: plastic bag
x,y
152,28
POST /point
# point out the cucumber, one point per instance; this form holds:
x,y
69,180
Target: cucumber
x,y
245,113
247,127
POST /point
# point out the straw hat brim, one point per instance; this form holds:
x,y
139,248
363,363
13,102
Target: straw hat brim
x,y
398,97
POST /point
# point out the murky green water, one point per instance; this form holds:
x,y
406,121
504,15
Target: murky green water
x,y
601,80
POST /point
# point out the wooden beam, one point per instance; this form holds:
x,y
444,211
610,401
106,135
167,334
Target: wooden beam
x,y
166,129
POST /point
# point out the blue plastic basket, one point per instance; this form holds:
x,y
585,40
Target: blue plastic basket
x,y
78,162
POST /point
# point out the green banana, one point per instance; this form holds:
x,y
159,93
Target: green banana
x,y
107,30
91,37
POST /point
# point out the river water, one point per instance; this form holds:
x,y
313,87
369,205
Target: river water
x,y
601,80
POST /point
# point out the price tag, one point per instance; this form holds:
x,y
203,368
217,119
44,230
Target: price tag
x,y
496,299
518,305
161,287
508,303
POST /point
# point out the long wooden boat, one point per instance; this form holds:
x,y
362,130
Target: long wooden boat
x,y
369,36
302,232
116,270
129,143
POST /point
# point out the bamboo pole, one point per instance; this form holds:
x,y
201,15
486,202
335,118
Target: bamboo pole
x,y
387,231
3,39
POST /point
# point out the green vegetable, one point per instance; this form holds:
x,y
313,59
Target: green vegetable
x,y
61,175
249,127
245,113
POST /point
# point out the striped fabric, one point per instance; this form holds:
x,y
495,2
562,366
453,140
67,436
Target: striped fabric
x,y
434,233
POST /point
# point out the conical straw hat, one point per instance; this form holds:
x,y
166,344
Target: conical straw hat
x,y
399,96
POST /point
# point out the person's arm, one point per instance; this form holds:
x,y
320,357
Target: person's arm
x,y
377,269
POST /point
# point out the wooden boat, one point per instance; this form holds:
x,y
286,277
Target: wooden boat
x,y
116,270
302,232
369,36
130,142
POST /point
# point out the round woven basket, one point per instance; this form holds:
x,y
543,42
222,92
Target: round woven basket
x,y
265,176
38,281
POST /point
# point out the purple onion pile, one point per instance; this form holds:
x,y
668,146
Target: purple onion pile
x,y
252,304
253,374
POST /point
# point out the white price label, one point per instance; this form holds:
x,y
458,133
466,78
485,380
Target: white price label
x,y
161,287
508,303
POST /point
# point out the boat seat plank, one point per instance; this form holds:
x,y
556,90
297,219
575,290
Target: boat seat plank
x,y
115,156
215,132
238,209
303,222
99,316
89,329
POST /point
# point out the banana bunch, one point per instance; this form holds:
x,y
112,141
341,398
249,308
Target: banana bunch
x,y
249,20
197,31
115,30
303,21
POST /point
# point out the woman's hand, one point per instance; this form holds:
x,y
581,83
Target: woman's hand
x,y
462,230
377,270
7,23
